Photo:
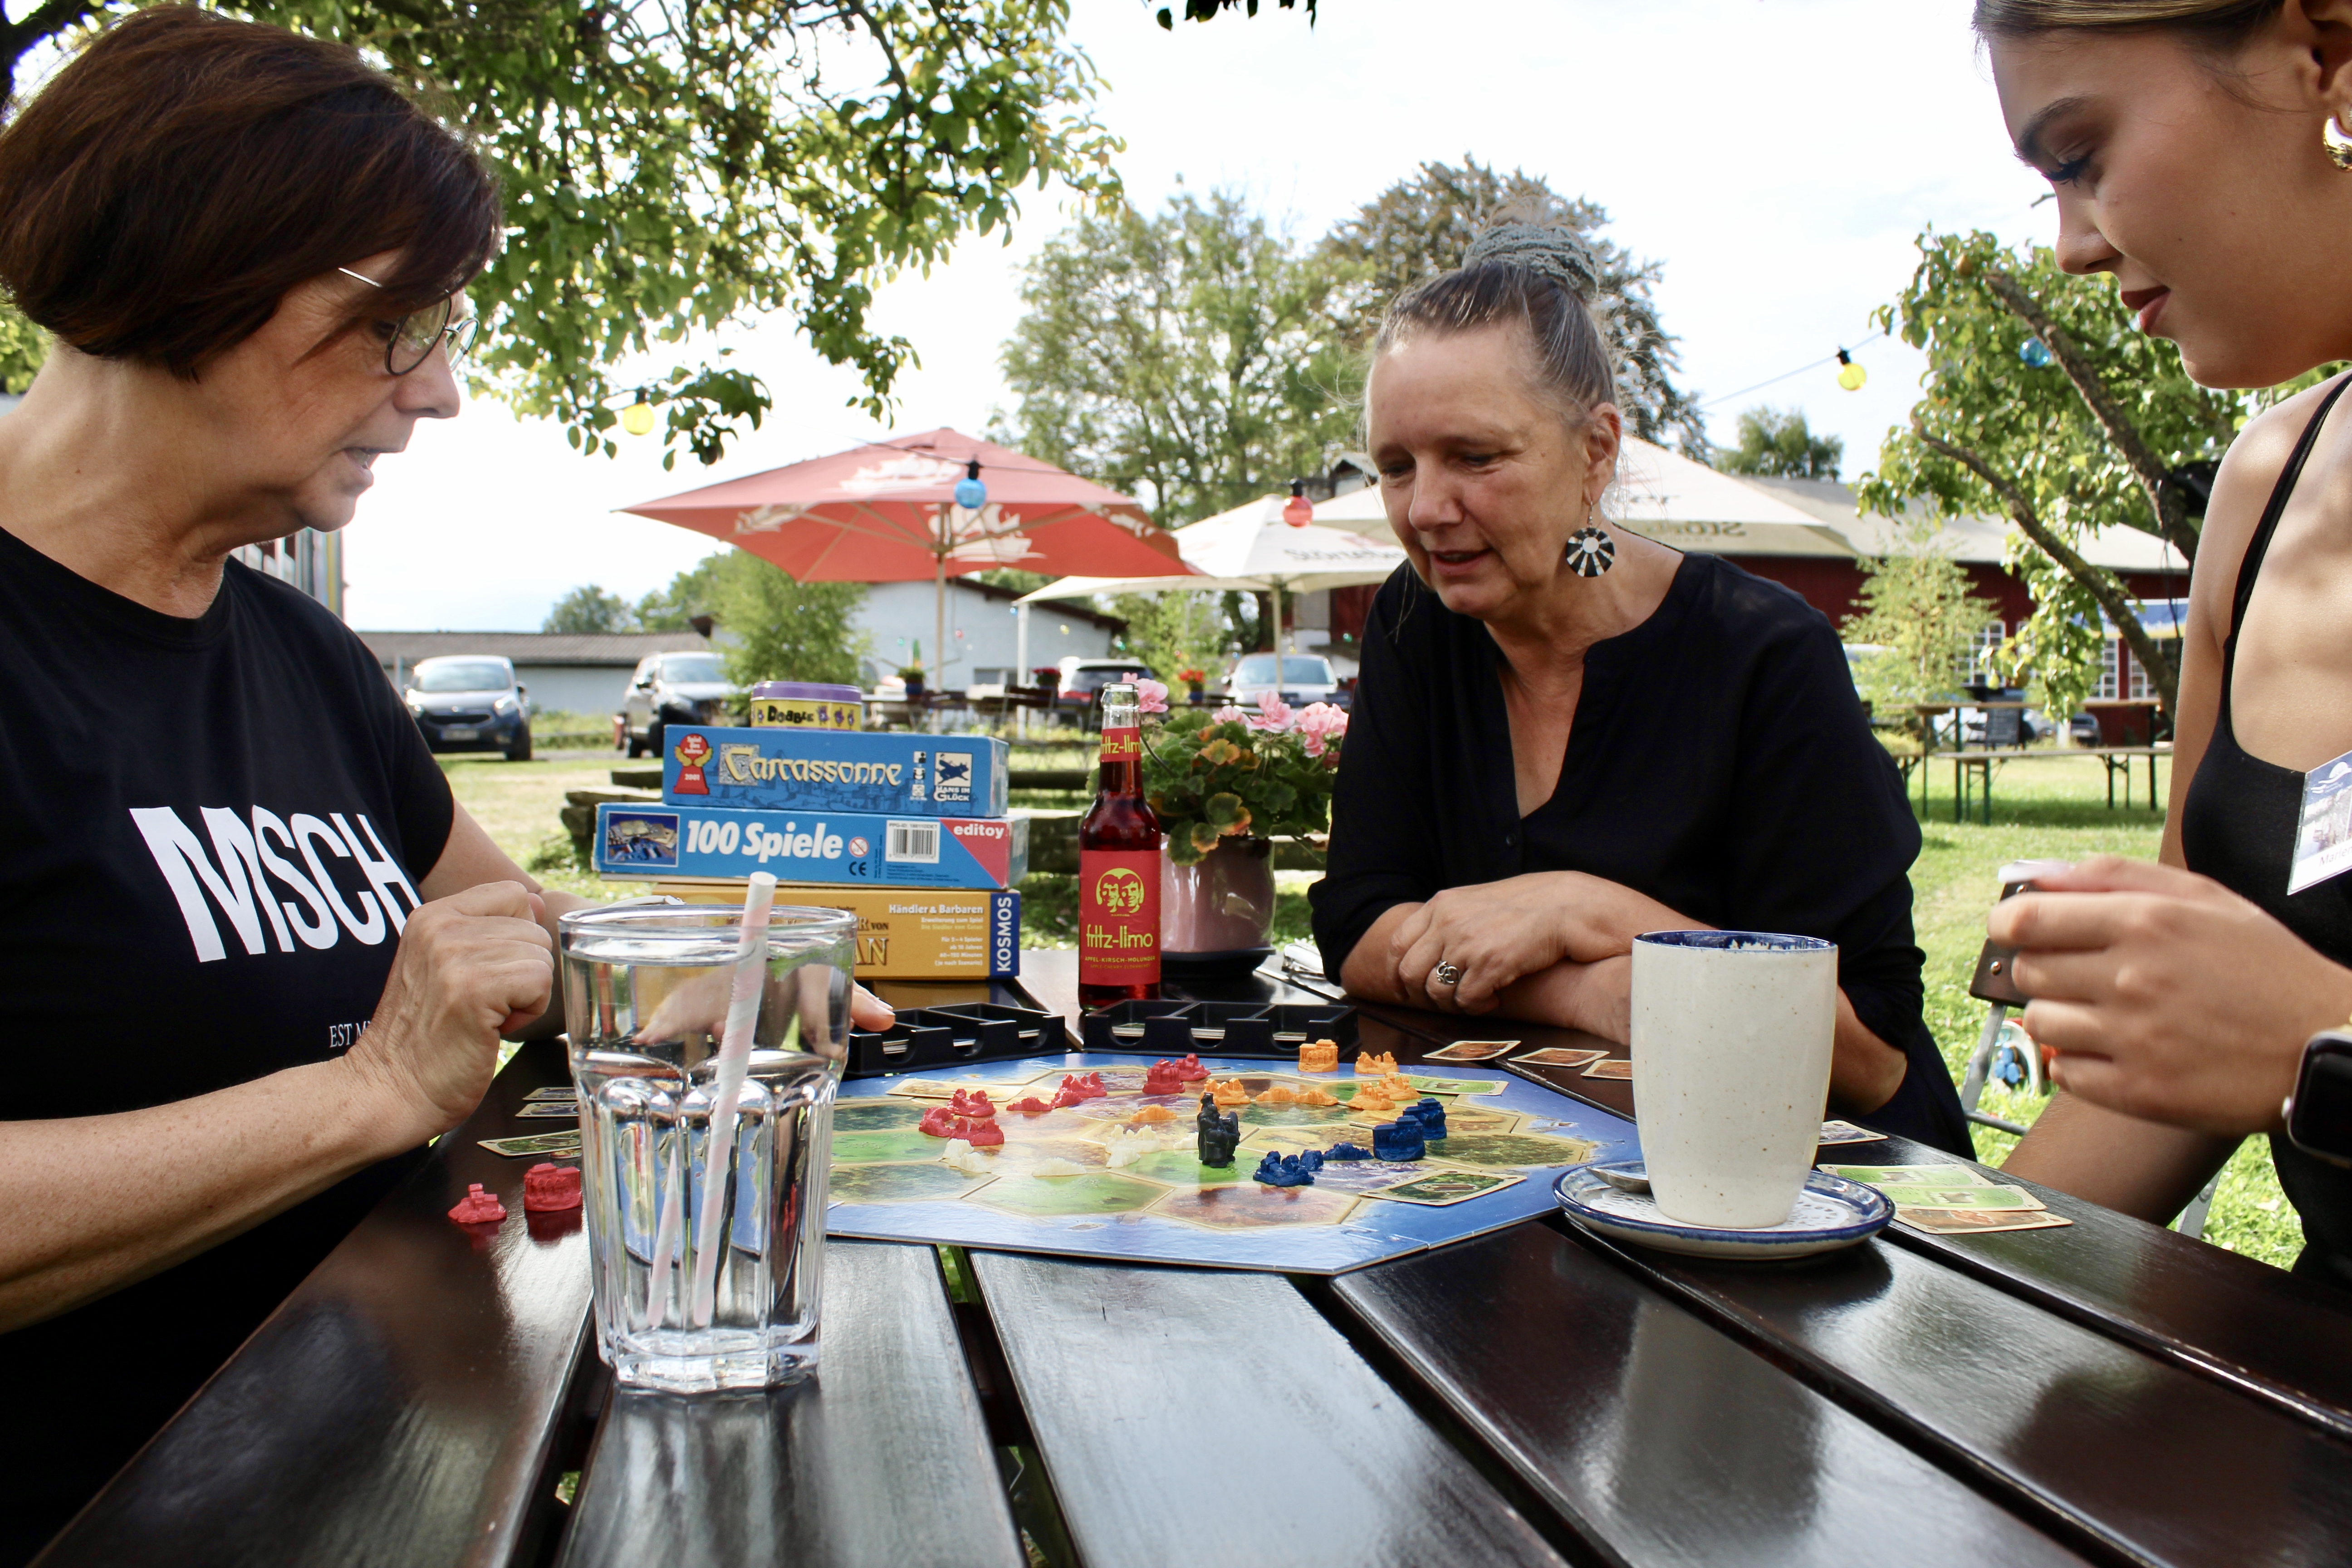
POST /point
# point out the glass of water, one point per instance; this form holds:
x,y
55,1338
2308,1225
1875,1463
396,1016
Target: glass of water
x,y
708,1260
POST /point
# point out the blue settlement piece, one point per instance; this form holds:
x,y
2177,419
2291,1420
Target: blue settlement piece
x,y
1289,1170
1346,1152
1399,1140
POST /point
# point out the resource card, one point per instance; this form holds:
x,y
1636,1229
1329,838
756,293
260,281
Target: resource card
x,y
1976,1222
1558,1056
548,1111
1847,1132
542,1146
1440,1189
1910,1175
1616,1069
553,1091
1472,1051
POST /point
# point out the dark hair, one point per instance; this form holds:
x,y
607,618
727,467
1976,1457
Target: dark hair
x,y
2221,23
164,193
1537,277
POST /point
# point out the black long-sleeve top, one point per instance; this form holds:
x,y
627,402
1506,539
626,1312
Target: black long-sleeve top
x,y
1720,762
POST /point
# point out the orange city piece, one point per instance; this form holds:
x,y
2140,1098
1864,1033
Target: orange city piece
x,y
1370,1064
1323,1056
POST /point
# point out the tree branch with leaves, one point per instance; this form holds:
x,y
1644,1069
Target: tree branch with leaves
x,y
674,169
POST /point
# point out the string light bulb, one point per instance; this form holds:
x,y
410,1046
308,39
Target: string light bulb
x,y
2036,354
1850,376
1298,511
638,418
970,493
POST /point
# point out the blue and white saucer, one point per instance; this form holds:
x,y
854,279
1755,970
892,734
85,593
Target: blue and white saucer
x,y
1831,1213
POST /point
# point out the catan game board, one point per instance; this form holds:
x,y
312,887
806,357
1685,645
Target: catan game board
x,y
1117,1176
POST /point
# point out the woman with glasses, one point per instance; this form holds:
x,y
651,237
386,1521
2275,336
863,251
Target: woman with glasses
x,y
253,955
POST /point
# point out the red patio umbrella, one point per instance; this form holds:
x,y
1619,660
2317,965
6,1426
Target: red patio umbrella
x,y
887,513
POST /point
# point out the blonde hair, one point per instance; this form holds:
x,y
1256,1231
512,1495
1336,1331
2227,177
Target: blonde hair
x,y
2220,22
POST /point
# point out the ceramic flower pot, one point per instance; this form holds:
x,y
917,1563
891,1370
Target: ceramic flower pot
x,y
1221,904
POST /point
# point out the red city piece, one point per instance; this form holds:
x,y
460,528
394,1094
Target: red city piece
x,y
1163,1077
477,1207
1189,1069
551,1188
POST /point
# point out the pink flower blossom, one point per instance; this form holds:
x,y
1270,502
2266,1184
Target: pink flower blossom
x,y
1273,714
1320,723
1151,695
1229,714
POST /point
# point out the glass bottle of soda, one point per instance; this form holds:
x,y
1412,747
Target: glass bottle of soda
x,y
1119,868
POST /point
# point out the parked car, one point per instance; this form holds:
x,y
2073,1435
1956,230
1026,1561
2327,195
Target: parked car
x,y
674,689
1298,678
470,702
1084,678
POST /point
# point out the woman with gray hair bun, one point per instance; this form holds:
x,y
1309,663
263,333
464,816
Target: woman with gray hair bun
x,y
1566,735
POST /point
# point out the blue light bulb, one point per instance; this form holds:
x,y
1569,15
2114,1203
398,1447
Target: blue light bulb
x,y
2035,353
970,493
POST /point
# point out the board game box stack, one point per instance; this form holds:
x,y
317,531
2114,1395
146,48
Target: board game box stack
x,y
908,832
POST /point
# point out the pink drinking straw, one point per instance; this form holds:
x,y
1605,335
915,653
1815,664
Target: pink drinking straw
x,y
734,1056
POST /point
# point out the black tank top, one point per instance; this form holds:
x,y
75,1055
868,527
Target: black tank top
x,y
2238,827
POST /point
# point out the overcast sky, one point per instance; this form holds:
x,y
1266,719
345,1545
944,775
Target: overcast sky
x,y
1777,156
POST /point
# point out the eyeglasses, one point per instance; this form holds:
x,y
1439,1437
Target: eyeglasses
x,y
415,335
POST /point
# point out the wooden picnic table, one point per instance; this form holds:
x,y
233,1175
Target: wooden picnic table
x,y
1972,772
2109,1393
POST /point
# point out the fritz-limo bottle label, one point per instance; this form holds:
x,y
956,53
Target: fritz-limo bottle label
x,y
1119,917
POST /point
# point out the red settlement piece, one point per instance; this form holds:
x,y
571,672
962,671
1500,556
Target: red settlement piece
x,y
975,1104
1033,1106
939,1122
550,1189
477,1207
981,1134
1088,1087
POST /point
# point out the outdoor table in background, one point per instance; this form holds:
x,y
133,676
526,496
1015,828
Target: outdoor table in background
x,y
2107,1392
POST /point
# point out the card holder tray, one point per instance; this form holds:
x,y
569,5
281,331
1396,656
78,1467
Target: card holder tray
x,y
953,1035
1247,1029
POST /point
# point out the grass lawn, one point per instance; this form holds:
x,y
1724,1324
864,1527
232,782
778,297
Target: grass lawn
x,y
2040,810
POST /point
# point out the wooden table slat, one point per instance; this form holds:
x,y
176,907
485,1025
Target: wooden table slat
x,y
2162,1464
1190,1415
403,1405
1650,1430
881,1458
2270,1334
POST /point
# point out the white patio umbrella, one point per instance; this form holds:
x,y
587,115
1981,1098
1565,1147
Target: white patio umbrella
x,y
1663,496
1251,550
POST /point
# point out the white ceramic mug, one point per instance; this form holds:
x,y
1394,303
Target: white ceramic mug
x,y
1732,1032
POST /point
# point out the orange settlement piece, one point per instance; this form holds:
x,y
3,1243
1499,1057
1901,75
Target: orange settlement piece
x,y
1151,1114
1370,1064
1229,1092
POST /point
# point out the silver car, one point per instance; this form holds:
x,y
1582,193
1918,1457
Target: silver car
x,y
674,689
1298,679
470,702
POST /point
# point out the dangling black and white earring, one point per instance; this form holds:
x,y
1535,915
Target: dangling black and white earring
x,y
1590,550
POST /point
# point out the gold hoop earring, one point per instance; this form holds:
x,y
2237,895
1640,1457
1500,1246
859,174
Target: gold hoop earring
x,y
1590,550
2338,144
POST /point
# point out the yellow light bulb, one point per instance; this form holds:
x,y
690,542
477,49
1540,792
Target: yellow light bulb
x,y
638,418
1851,376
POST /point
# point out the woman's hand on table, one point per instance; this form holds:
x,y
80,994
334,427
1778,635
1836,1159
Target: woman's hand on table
x,y
1496,933
471,968
2164,996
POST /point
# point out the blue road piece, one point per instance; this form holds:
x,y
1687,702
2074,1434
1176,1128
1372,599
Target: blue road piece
x,y
1285,1171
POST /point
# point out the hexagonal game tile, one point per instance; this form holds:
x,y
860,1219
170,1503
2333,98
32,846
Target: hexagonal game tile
x,y
1064,1195
900,1183
1248,1206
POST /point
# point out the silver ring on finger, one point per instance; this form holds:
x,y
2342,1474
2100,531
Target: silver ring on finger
x,y
1447,973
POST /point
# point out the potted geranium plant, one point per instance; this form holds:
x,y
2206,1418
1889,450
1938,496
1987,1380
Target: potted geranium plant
x,y
1196,683
912,675
1224,784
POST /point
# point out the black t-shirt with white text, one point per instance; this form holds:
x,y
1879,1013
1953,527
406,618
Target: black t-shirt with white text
x,y
214,833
